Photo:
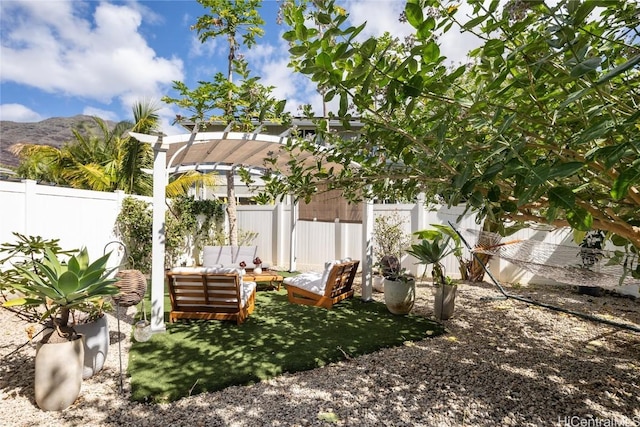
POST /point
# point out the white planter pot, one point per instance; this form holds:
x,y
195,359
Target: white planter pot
x,y
444,302
58,374
96,345
399,296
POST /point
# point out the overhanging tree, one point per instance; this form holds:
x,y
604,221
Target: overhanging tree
x,y
541,126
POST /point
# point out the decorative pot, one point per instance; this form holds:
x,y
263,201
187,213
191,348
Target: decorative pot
x,y
399,295
444,302
378,283
96,344
58,376
257,269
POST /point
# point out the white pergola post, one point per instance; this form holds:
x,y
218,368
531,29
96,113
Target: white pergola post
x,y
294,235
367,250
158,229
157,248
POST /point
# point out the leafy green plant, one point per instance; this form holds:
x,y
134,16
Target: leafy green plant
x,y
434,246
133,226
389,243
534,129
59,287
23,253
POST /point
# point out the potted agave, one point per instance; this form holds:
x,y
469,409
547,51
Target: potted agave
x,y
57,288
399,286
434,246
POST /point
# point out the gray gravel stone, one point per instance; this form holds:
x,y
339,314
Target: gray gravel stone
x,y
501,363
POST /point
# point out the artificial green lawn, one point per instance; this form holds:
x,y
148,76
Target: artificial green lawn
x,y
199,356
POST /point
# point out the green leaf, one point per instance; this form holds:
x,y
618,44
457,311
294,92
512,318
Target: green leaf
x,y
68,283
15,302
301,32
562,197
494,194
298,50
473,22
611,155
509,206
369,47
574,97
492,171
585,67
493,48
564,170
414,87
344,104
430,52
413,12
580,219
426,29
323,18
624,181
582,12
323,60
619,69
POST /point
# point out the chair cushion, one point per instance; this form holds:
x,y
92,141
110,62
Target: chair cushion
x,y
245,292
310,281
194,270
327,270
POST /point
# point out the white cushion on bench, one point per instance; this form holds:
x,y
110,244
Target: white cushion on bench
x,y
314,281
310,281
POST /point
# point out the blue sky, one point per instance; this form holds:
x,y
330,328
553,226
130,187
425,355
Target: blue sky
x,y
60,58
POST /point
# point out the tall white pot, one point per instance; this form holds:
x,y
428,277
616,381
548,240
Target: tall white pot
x,y
58,375
399,295
96,345
444,302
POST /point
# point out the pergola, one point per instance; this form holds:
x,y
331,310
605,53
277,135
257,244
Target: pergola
x,y
223,151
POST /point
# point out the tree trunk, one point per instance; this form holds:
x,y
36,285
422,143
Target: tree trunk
x,y
231,209
476,271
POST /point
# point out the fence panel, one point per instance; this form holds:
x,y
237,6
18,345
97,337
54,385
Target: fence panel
x,y
87,218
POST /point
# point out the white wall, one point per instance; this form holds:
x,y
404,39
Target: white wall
x,y
87,218
78,218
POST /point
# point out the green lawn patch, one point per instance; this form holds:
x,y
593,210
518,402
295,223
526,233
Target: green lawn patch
x,y
200,356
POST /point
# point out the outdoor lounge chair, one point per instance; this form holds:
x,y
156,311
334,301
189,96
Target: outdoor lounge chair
x,y
210,293
324,289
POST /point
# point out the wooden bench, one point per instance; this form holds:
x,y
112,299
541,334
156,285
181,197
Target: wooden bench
x,y
208,293
324,289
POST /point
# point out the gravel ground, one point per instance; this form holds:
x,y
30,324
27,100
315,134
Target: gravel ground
x,y
502,362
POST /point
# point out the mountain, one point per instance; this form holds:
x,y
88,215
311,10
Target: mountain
x,y
54,131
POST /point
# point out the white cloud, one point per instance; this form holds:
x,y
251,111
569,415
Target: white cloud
x,y
380,16
18,113
102,113
206,49
50,46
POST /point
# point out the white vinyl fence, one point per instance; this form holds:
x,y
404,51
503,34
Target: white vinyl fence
x,y
87,218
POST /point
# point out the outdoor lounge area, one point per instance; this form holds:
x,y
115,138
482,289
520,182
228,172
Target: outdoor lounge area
x,y
499,363
405,214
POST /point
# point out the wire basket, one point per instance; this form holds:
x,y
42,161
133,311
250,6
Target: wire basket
x,y
133,285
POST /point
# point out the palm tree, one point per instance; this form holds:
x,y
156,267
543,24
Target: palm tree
x,y
109,161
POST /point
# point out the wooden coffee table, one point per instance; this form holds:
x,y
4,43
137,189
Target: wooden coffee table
x,y
274,279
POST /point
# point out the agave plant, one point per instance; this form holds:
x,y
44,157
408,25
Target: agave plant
x,y
432,249
60,287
